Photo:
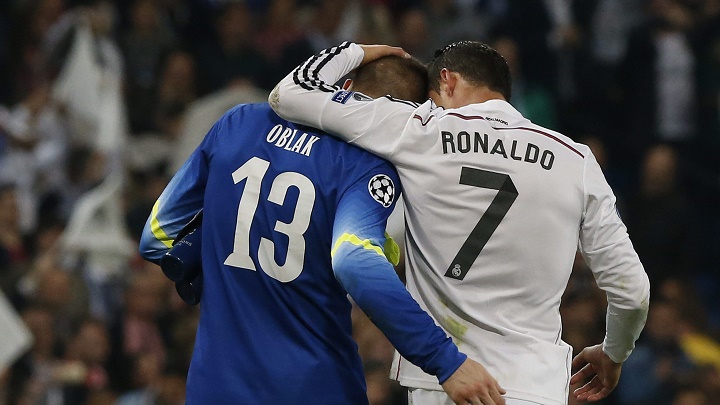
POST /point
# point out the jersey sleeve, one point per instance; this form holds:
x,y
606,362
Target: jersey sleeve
x,y
307,96
360,261
179,202
606,247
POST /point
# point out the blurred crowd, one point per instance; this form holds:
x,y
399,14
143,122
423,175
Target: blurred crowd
x,y
101,101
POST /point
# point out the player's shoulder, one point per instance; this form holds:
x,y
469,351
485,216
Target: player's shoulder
x,y
246,113
354,97
572,145
423,113
351,153
332,149
249,109
260,116
355,159
502,115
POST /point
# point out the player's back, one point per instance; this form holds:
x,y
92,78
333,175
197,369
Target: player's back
x,y
494,206
275,323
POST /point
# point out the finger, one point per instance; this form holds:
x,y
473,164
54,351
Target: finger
x,y
398,52
497,397
587,387
600,395
386,50
468,401
373,52
581,375
588,397
487,400
597,389
579,360
465,399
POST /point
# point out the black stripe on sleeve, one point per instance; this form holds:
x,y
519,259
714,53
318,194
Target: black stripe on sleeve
x,y
296,74
333,53
309,73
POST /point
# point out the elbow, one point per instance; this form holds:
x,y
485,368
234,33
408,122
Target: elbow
x,y
643,303
278,93
347,278
274,98
638,299
147,248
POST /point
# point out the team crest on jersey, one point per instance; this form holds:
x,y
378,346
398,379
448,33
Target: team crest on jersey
x,y
342,96
382,189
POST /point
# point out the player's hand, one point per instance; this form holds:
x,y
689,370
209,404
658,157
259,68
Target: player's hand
x,y
373,52
602,372
472,384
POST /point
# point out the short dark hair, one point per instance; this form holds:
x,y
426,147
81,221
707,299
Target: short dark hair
x,y
476,62
404,78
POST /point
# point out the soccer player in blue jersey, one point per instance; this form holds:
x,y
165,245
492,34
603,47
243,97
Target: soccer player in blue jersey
x,y
293,222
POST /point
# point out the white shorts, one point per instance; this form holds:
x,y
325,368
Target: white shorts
x,y
419,396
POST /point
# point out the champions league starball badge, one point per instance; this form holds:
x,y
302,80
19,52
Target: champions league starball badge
x,y
382,189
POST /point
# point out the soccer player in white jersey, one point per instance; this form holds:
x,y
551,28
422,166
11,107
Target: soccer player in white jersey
x,y
496,208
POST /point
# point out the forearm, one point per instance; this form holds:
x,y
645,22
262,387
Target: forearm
x,y
623,327
606,247
301,96
377,290
177,205
628,294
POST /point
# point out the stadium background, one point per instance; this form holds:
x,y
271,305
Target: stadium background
x,y
101,101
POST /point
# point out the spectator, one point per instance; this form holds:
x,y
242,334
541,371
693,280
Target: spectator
x,y
332,20
146,374
658,365
659,68
534,101
136,333
83,370
413,34
12,245
177,82
144,46
691,395
27,57
660,204
232,57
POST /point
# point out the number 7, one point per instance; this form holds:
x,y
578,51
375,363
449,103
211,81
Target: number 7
x,y
495,213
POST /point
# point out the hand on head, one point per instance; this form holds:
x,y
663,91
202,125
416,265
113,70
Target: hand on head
x,y
373,52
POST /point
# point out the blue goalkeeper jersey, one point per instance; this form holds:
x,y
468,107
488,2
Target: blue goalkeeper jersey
x,y
293,221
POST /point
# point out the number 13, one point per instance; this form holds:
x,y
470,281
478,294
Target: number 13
x,y
254,171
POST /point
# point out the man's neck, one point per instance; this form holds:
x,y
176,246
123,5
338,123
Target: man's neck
x,y
466,95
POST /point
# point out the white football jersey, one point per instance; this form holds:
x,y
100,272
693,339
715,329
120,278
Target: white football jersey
x,y
495,210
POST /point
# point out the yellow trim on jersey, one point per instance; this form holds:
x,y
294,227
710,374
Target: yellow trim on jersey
x,y
155,226
364,243
391,247
392,250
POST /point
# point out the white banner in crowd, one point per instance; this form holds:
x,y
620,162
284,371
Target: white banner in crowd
x,y
92,92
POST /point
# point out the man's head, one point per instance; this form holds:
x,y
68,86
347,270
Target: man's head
x,y
403,78
468,72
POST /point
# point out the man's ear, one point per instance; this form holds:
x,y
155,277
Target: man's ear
x,y
448,80
348,84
